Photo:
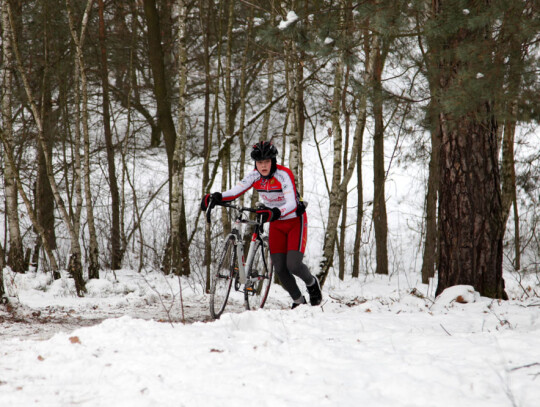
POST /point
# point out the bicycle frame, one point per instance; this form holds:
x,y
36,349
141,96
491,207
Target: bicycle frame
x,y
238,233
251,276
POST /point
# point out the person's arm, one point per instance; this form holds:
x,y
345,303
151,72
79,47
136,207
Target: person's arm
x,y
241,187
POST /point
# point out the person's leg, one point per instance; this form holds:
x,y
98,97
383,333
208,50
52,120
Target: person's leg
x,y
298,268
279,260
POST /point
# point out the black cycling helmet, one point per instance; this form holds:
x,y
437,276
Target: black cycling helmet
x,y
264,150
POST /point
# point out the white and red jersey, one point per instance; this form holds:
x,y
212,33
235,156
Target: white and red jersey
x,y
276,192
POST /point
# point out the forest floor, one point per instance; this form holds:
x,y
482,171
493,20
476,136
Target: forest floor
x,y
41,308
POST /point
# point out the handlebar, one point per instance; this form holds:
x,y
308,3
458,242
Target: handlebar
x,y
226,205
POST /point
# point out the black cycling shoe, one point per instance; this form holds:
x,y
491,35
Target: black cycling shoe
x,y
302,302
315,294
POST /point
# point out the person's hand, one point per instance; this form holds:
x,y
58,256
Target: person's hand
x,y
268,214
210,199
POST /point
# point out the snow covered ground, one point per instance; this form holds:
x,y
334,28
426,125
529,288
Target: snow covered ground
x,y
375,341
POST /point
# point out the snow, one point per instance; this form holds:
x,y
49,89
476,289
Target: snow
x,y
375,341
291,19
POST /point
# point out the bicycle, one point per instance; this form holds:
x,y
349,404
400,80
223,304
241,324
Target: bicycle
x,y
251,277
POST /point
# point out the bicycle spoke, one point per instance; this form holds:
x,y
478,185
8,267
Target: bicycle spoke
x,y
222,278
263,270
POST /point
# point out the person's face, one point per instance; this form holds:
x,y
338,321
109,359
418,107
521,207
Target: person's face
x,y
264,166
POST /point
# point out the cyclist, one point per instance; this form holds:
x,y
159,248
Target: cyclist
x,y
286,214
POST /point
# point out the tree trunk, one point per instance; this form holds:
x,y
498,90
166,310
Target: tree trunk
x,y
165,120
343,228
379,178
508,175
360,126
116,246
337,137
430,243
3,298
16,251
155,53
44,199
9,32
337,197
75,262
470,206
270,86
180,253
205,8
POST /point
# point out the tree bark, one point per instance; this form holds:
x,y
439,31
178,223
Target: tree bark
x,y
205,9
8,26
76,258
3,298
379,178
180,253
116,246
15,251
430,244
470,206
360,126
166,123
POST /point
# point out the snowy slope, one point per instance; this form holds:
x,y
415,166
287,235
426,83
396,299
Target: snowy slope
x,y
376,341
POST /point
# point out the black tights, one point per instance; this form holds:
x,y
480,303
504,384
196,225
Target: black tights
x,y
287,265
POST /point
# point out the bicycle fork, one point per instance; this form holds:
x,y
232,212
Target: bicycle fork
x,y
243,270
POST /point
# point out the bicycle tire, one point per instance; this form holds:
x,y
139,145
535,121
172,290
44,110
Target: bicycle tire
x,y
222,278
256,299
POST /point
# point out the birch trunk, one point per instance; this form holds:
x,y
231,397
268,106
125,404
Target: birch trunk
x,y
338,193
337,138
15,250
180,262
296,99
3,298
161,92
75,271
270,87
9,32
75,260
343,227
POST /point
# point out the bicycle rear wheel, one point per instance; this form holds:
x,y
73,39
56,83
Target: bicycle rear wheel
x,y
262,273
222,277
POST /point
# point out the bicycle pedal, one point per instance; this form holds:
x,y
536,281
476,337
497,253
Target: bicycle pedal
x,y
249,288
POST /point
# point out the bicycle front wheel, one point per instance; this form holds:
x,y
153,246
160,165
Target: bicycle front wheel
x,y
262,273
222,277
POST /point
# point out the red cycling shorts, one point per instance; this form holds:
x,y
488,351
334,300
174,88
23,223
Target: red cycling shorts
x,y
287,235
